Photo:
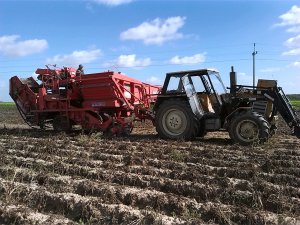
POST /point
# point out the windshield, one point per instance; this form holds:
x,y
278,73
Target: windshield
x,y
217,82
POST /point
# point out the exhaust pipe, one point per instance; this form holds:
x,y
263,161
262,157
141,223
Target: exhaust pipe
x,y
233,82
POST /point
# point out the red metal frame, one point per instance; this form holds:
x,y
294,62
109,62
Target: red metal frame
x,y
107,101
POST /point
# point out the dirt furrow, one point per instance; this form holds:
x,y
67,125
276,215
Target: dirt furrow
x,y
226,193
23,215
80,208
141,179
88,209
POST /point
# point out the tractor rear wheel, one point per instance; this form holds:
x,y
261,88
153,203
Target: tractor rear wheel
x,y
175,120
62,123
249,128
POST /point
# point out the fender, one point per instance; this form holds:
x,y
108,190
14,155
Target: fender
x,y
232,114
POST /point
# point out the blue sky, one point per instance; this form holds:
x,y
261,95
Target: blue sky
x,y
145,39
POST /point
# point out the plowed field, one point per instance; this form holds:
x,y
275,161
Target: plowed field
x,y
57,178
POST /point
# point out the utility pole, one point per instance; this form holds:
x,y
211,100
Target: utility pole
x,y
253,55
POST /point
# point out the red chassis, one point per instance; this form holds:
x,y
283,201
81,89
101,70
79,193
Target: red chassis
x,y
106,101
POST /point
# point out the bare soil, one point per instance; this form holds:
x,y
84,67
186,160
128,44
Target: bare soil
x,y
58,178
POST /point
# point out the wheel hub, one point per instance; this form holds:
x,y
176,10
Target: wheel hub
x,y
247,130
175,122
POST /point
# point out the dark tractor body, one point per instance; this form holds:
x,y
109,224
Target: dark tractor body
x,y
192,103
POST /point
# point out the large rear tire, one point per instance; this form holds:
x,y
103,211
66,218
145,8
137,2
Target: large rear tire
x,y
249,128
175,120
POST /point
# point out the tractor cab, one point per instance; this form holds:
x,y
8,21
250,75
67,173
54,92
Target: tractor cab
x,y
204,86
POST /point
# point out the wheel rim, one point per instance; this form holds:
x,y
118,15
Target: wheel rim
x,y
247,131
174,122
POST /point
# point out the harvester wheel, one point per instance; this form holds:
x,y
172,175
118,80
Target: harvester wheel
x,y
118,130
175,120
249,128
62,123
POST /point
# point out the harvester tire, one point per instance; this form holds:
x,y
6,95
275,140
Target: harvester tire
x,y
249,128
175,120
62,123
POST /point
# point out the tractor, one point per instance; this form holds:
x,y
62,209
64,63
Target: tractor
x,y
188,105
192,103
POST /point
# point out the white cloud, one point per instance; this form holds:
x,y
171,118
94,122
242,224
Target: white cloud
x,y
297,64
156,31
294,29
10,46
295,51
293,42
194,59
112,2
290,18
75,58
154,80
132,61
270,70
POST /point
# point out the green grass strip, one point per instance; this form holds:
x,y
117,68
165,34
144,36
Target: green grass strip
x,y
296,104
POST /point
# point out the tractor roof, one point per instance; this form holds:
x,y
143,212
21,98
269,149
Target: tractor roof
x,y
193,72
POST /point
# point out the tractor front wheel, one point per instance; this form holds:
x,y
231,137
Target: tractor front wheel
x,y
175,120
249,128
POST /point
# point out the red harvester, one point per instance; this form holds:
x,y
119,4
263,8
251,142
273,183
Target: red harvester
x,y
107,102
